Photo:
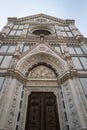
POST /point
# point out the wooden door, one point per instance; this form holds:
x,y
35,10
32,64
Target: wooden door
x,y
42,112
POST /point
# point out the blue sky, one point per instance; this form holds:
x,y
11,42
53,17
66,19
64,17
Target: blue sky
x,y
64,9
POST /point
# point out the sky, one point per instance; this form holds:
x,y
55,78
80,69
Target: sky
x,y
63,9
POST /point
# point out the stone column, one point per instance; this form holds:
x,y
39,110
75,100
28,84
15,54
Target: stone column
x,y
12,105
10,85
81,102
71,110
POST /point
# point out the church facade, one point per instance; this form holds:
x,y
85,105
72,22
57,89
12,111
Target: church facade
x,y
43,74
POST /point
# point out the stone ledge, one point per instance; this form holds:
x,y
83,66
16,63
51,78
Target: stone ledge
x,y
83,129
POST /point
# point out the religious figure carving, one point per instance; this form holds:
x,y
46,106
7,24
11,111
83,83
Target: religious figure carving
x,y
41,71
42,37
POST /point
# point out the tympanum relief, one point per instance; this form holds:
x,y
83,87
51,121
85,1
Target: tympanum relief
x,y
41,71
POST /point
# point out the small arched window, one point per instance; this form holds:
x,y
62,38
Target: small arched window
x,y
39,32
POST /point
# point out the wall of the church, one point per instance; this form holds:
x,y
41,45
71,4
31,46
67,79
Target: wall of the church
x,y
43,54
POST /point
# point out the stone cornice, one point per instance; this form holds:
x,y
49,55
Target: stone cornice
x,y
82,39
37,39
14,19
70,21
23,79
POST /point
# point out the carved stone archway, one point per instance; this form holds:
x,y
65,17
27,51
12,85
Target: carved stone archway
x,y
42,58
41,71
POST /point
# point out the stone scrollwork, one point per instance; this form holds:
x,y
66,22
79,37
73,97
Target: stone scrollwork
x,y
71,109
42,58
42,54
4,93
83,102
11,113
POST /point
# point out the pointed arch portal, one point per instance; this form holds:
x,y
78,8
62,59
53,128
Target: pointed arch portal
x,y
42,54
42,112
42,68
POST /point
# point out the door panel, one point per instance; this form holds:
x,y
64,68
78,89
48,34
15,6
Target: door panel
x,y
42,112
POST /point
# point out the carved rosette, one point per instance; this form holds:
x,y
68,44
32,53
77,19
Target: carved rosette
x,y
72,114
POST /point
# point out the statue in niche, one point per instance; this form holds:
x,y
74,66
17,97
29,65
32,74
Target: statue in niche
x,y
71,66
41,37
41,71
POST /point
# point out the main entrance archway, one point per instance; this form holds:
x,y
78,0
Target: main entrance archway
x,y
42,112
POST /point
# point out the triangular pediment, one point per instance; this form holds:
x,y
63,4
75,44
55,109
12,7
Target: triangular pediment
x,y
41,48
41,53
39,18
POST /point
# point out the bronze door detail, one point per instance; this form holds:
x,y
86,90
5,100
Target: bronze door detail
x,y
42,112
